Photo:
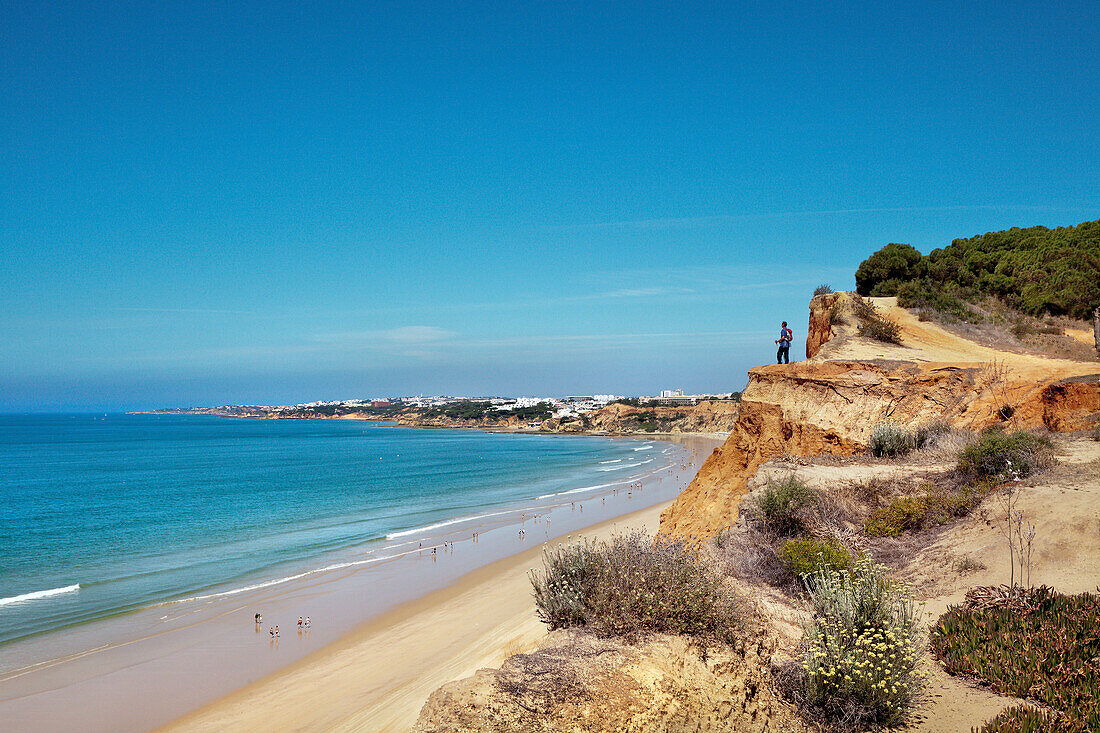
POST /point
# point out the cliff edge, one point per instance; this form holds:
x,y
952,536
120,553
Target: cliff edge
x,y
830,403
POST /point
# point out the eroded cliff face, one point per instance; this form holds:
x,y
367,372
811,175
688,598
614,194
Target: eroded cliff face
x,y
820,328
709,416
579,682
829,405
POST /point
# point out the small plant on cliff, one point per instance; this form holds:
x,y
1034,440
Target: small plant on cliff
x,y
931,508
882,329
807,555
836,314
1046,652
823,289
889,439
1001,455
779,503
633,584
873,324
1096,431
861,648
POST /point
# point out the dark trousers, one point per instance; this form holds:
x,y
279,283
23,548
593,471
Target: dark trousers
x,y
783,355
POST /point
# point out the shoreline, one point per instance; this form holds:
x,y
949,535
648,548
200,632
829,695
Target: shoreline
x,y
115,674
715,435
377,677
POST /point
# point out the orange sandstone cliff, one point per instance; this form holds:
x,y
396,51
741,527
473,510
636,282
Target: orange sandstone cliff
x,y
831,402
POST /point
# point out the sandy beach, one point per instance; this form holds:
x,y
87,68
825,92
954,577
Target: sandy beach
x,y
377,678
390,625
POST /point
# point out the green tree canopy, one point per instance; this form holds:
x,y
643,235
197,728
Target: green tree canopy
x,y
882,272
1036,270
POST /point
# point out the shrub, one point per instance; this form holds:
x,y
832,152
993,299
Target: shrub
x,y
631,585
932,508
873,324
1045,652
900,515
806,556
926,295
823,289
749,554
1096,431
861,654
882,329
889,439
779,503
836,315
1001,455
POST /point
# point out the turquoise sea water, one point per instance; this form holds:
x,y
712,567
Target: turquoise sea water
x,y
104,514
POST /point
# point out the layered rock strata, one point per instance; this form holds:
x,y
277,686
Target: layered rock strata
x,y
830,403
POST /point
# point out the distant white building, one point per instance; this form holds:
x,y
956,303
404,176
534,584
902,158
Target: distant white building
x,y
665,393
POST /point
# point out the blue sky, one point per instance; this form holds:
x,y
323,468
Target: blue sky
x,y
282,202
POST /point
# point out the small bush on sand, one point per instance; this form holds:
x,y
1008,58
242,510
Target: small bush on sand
x,y
931,508
1001,455
806,555
882,329
1096,431
632,585
861,650
873,324
749,554
888,439
823,289
836,314
779,503
1046,652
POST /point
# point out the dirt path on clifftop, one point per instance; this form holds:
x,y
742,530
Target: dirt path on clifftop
x,y
923,341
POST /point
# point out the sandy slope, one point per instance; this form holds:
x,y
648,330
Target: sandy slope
x,y
923,341
378,678
1062,503
1064,506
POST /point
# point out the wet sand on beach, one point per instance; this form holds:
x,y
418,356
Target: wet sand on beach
x,y
377,678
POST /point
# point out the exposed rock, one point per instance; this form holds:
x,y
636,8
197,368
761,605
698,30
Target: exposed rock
x,y
709,416
831,403
580,682
820,329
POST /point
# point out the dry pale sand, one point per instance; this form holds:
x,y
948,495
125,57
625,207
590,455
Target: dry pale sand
x,y
378,678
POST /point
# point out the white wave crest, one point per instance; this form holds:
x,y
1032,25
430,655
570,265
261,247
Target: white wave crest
x,y
40,594
447,523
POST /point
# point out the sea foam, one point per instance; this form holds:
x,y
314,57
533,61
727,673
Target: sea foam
x,y
40,594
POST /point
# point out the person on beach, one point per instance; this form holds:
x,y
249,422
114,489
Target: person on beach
x,y
307,622
299,623
271,632
276,632
786,335
259,620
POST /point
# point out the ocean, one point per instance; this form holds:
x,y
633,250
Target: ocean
x,y
101,515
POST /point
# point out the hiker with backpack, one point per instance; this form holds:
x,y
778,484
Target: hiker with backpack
x,y
786,335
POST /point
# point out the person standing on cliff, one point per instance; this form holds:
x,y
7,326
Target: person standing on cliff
x,y
785,337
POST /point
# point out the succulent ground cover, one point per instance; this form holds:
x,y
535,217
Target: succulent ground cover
x,y
1047,651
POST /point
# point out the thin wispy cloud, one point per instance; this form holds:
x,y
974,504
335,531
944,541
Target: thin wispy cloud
x,y
200,311
698,222
400,335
